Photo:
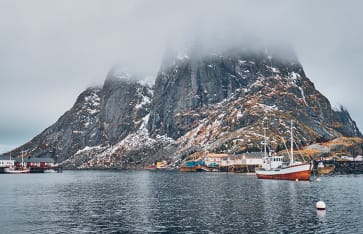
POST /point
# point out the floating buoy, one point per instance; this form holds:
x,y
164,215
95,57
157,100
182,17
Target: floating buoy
x,y
318,179
320,205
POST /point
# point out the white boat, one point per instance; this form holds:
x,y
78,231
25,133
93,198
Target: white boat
x,y
13,170
17,170
274,167
50,171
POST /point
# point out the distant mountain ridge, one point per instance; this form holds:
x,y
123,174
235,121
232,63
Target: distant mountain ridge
x,y
213,102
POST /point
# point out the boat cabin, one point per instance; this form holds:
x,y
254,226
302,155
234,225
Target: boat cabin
x,y
272,162
5,161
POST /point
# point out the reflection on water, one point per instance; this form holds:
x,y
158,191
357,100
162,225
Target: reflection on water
x,y
147,201
321,214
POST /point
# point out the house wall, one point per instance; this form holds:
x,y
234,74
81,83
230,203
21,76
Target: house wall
x,y
39,164
7,163
229,161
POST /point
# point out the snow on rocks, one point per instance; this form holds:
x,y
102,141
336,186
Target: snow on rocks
x,y
267,108
145,100
273,69
92,102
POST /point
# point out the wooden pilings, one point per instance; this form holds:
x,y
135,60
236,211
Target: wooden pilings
x,y
239,168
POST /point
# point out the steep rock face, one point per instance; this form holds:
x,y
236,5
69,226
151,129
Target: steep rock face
x,y
188,91
100,116
125,103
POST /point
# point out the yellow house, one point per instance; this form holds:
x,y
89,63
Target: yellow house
x,y
161,164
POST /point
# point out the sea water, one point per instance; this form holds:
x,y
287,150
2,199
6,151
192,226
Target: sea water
x,y
171,202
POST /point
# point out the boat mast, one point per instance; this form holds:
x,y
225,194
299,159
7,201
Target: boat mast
x,y
264,136
292,144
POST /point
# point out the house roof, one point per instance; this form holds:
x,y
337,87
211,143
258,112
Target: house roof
x,y
247,155
213,155
39,160
5,157
254,154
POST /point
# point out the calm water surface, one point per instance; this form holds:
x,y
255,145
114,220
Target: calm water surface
x,y
150,201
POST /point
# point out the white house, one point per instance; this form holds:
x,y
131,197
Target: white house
x,y
223,160
211,159
5,161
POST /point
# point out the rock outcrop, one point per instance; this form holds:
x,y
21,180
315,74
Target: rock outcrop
x,y
100,117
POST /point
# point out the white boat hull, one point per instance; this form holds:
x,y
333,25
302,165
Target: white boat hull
x,y
50,171
16,171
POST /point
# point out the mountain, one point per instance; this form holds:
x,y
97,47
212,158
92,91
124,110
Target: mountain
x,y
221,99
200,101
100,117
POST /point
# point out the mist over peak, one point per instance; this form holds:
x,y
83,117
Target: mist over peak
x,y
64,47
127,75
249,46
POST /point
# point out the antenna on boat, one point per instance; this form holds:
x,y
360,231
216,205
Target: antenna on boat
x,y
292,143
22,158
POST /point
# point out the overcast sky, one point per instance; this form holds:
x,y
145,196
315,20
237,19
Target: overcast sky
x,y
50,51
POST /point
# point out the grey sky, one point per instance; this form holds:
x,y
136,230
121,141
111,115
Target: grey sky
x,y
50,51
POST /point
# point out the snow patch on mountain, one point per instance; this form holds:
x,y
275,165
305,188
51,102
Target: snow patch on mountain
x,y
145,100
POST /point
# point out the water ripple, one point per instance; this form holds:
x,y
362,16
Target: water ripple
x,y
169,202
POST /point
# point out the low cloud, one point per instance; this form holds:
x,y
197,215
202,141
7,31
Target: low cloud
x,y
53,50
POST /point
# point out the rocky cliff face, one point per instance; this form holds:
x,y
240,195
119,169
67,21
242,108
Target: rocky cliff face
x,y
100,117
125,103
238,89
214,102
191,83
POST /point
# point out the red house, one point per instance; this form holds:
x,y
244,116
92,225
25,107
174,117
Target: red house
x,y
39,163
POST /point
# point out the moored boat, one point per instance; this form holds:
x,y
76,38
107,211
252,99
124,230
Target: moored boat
x,y
194,166
17,169
50,170
13,170
274,167
291,172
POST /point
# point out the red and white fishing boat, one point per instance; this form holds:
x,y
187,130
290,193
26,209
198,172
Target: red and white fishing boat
x,y
17,169
13,170
274,167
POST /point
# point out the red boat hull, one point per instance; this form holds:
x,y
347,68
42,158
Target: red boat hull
x,y
298,172
302,175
